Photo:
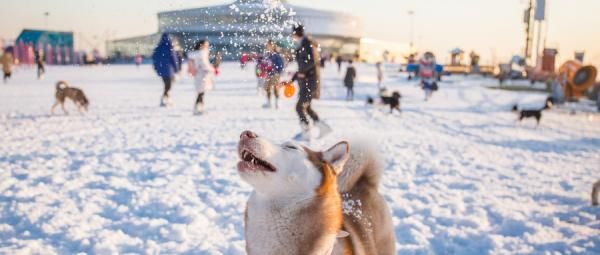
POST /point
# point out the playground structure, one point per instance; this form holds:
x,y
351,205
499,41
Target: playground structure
x,y
513,70
457,67
465,70
545,68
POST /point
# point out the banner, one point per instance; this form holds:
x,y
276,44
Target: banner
x,y
540,10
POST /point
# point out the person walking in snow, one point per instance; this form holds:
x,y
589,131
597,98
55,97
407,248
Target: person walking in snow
x,y
39,60
217,62
349,81
138,60
598,100
379,67
273,68
243,60
7,61
339,61
427,73
308,77
410,62
165,64
203,72
261,74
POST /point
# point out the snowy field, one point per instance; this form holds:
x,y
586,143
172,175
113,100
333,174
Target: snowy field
x,y
461,177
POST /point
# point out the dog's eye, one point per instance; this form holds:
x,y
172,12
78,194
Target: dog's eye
x,y
291,147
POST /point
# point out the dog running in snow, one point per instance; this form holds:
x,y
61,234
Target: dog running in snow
x,y
392,101
309,202
537,114
63,91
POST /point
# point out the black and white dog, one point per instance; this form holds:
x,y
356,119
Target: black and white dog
x,y
393,101
537,114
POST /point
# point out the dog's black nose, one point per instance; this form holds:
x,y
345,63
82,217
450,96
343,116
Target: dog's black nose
x,y
248,134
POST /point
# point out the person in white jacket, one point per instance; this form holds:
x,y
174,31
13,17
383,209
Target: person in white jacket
x,y
203,72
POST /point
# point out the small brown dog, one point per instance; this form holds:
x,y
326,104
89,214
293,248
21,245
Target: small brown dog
x,y
63,91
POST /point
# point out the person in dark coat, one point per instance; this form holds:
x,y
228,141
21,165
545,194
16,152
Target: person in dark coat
x,y
309,78
323,61
39,60
165,64
349,81
339,61
598,100
179,63
217,61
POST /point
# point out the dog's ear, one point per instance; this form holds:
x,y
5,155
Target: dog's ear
x,y
337,156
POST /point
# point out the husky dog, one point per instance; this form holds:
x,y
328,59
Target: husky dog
x,y
63,91
306,202
537,114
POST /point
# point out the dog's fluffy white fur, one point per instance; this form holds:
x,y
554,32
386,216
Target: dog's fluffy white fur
x,y
296,206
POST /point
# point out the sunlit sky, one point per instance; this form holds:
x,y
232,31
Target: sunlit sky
x,y
493,28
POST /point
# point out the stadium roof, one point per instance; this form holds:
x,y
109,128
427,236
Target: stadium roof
x,y
54,38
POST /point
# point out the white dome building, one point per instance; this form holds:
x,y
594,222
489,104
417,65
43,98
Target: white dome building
x,y
245,26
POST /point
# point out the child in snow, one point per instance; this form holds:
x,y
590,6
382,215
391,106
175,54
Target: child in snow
x,y
261,74
273,67
379,67
427,73
138,60
243,60
349,81
217,62
7,62
202,71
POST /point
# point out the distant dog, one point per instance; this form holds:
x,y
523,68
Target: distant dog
x,y
595,191
393,101
537,114
63,91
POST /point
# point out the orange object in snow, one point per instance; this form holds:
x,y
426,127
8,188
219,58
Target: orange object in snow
x,y
576,78
288,89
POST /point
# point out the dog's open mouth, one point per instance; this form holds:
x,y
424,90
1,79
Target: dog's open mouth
x,y
251,162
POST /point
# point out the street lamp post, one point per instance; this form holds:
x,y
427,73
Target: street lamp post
x,y
528,29
411,14
46,14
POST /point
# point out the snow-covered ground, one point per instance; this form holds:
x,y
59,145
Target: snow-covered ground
x,y
461,177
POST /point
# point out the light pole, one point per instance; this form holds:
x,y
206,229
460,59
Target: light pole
x,y
46,14
528,29
411,14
